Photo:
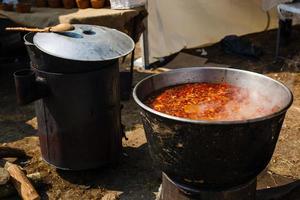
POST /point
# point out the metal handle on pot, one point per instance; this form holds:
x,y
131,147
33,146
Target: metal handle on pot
x,y
29,87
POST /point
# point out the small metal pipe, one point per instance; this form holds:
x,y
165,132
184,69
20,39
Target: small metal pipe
x,y
28,87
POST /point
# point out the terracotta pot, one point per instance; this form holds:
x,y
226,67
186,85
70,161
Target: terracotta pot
x,y
6,7
98,3
68,4
83,4
23,7
54,3
1,6
41,3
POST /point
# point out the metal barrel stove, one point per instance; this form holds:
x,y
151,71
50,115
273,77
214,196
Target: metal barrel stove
x,y
74,81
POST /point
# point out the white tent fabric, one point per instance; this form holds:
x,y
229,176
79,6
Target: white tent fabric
x,y
177,24
269,4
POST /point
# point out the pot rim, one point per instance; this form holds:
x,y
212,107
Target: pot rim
x,y
209,122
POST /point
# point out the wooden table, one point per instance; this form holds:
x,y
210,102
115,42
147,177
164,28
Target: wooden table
x,y
128,21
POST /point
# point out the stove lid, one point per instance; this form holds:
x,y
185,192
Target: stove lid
x,y
85,43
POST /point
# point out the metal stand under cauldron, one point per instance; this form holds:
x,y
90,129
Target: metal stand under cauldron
x,y
174,191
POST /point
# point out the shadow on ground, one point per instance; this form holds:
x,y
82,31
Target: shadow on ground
x,y
133,178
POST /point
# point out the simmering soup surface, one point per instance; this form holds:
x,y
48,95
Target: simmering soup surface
x,y
210,101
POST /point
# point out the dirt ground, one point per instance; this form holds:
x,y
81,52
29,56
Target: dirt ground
x,y
135,178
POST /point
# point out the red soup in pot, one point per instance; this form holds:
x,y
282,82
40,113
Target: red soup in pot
x,y
211,101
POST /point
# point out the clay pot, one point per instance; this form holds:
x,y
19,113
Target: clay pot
x,y
41,3
82,4
98,3
68,4
23,7
6,7
54,3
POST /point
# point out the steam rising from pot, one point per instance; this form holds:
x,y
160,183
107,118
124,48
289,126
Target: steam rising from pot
x,y
216,101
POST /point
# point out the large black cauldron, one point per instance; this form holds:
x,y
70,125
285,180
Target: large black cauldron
x,y
212,154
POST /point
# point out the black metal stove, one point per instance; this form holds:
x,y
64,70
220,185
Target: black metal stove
x,y
74,81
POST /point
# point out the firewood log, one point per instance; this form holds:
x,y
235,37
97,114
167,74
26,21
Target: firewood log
x,y
21,182
4,176
8,189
